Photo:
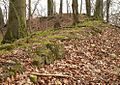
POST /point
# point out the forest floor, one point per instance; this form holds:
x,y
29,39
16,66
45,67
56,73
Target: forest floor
x,y
85,54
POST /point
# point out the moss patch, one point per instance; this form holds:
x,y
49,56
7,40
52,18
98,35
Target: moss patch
x,y
58,37
4,52
7,47
91,24
77,30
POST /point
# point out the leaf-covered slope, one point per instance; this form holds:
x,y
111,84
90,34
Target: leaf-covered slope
x,y
88,53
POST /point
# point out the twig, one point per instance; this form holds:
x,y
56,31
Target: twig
x,y
35,7
57,75
54,75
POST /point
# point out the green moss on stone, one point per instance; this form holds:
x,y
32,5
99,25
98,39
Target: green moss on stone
x,y
33,78
16,68
38,61
46,54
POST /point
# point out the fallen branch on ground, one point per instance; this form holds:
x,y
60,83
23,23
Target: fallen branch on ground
x,y
54,75
57,75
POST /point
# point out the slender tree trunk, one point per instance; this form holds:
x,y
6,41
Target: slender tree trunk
x,y
61,7
67,4
81,7
98,14
107,9
1,19
54,7
75,11
29,9
50,7
2,24
88,8
29,18
16,21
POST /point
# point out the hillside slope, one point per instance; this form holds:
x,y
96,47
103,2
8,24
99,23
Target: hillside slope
x,y
88,53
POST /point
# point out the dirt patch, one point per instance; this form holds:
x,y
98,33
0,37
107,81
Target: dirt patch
x,y
44,23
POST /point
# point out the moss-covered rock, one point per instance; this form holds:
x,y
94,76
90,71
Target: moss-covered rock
x,y
16,68
49,59
38,61
46,54
33,78
57,50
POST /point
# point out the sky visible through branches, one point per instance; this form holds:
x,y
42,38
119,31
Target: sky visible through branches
x,y
42,6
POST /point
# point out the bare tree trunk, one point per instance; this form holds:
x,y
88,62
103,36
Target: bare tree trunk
x,y
107,9
88,7
61,7
67,4
98,14
29,9
1,19
81,7
16,22
54,7
75,11
50,7
2,24
29,18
